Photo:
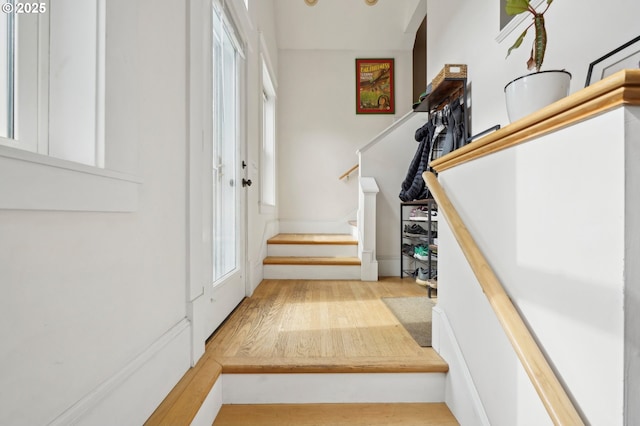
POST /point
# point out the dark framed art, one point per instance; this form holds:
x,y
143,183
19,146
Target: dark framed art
x,y
626,56
375,86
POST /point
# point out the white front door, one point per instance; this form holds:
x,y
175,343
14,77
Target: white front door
x,y
227,207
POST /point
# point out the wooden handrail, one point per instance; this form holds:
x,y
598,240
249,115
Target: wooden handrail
x,y
549,389
348,172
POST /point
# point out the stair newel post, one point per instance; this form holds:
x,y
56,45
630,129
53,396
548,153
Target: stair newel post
x,y
367,228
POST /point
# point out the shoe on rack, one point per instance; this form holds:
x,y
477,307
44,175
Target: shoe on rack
x,y
422,277
433,283
408,249
422,213
415,230
421,252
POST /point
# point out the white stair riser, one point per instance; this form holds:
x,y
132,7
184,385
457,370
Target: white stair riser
x,y
333,388
312,250
312,272
210,406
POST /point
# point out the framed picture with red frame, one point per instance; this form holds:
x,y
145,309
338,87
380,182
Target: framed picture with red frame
x,y
375,86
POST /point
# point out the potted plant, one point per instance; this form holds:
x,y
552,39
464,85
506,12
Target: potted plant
x,y
536,90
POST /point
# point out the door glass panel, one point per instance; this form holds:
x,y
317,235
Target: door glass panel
x,y
225,134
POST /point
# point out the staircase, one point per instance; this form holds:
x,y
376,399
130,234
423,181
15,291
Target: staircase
x,y
301,352
198,398
312,256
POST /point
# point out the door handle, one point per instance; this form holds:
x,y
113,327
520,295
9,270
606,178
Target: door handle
x,y
246,182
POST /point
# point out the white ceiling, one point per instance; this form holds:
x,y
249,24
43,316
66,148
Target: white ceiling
x,y
348,24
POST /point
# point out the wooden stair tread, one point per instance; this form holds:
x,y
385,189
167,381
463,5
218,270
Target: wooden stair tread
x,y
320,261
311,239
425,414
428,362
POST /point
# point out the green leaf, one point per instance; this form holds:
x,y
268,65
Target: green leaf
x,y
517,43
515,7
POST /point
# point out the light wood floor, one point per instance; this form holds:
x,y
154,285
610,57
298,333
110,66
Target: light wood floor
x,y
310,326
321,326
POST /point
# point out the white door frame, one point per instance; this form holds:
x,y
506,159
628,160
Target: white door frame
x,y
199,273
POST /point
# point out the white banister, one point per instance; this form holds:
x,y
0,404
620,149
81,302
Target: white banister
x,y
367,228
411,115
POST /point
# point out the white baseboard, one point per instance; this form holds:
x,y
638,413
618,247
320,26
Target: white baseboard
x,y
368,267
461,395
255,277
389,266
333,388
256,273
131,395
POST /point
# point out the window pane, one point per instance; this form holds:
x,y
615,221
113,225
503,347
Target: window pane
x,y
52,80
225,145
268,155
73,88
7,67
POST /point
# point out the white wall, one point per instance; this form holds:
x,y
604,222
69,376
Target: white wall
x,y
543,230
632,269
563,289
461,31
262,221
86,293
93,312
319,133
387,159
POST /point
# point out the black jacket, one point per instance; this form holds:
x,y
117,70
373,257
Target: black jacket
x,y
413,187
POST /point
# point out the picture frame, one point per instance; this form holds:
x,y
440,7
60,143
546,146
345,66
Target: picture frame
x,y
375,91
624,57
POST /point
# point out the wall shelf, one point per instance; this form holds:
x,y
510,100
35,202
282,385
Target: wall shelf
x,y
443,94
446,89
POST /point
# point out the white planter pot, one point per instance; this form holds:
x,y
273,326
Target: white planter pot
x,y
532,92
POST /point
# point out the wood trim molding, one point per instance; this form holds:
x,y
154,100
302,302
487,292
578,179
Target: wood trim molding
x,y
551,392
622,88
